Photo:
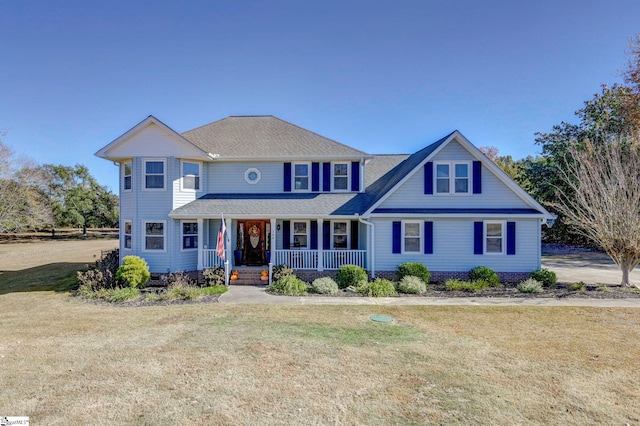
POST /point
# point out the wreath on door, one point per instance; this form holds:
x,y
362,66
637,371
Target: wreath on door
x,y
254,236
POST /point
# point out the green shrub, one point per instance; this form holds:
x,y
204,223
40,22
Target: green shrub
x,y
324,285
603,288
530,286
214,276
134,271
414,269
351,275
411,284
482,273
579,286
290,286
378,288
280,271
214,289
121,294
545,276
461,285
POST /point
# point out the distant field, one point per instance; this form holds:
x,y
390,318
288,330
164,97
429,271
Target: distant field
x,y
64,361
59,234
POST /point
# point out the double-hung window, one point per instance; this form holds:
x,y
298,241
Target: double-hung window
x,y
127,234
411,236
339,235
154,236
340,176
301,176
494,237
126,176
452,178
300,234
189,235
154,174
190,176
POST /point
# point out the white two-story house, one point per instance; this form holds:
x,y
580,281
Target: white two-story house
x,y
290,196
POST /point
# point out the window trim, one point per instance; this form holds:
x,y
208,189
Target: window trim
x,y
293,176
125,175
248,172
164,236
182,235
503,237
125,234
293,234
164,173
333,176
182,176
452,178
332,233
420,236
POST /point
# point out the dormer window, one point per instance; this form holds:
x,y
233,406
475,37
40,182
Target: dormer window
x,y
452,178
340,176
301,176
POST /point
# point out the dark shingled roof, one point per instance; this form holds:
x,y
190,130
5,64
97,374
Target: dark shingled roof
x,y
265,136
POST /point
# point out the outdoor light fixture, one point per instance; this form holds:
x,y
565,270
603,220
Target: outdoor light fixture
x,y
278,227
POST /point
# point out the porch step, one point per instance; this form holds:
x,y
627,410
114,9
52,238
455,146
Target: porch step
x,y
249,277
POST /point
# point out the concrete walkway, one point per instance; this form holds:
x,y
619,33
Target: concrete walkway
x,y
246,294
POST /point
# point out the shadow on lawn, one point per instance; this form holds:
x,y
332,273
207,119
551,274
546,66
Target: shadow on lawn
x,y
58,277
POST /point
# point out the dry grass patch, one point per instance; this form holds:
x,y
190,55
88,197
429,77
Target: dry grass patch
x,y
219,364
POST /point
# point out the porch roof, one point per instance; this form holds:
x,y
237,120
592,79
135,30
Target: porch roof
x,y
274,205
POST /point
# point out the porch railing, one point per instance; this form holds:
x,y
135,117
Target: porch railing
x,y
308,259
210,259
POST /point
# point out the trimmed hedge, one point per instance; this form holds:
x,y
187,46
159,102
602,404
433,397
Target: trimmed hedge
x,y
351,275
414,269
482,273
546,277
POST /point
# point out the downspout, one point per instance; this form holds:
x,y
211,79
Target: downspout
x,y
372,262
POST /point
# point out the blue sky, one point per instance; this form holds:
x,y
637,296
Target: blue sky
x,y
381,76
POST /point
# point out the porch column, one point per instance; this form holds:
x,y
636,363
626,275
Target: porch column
x,y
320,245
272,244
200,243
229,255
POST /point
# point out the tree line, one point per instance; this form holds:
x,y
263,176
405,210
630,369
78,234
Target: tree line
x,y
40,197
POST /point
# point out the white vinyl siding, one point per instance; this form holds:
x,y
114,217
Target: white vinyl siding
x,y
453,247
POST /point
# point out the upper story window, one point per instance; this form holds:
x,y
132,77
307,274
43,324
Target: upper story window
x,y
494,237
154,174
190,176
301,176
452,178
340,176
412,234
126,175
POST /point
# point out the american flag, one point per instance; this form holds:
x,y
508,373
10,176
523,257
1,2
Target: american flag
x,y
220,245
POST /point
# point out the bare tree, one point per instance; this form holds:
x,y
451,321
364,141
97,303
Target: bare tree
x,y
602,197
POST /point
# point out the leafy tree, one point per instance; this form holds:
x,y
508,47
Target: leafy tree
x,y
23,203
78,199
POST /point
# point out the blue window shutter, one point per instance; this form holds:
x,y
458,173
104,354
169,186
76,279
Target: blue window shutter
x,y
287,177
315,177
326,235
355,176
428,178
511,238
397,237
354,235
326,177
286,234
477,177
314,235
428,238
478,230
